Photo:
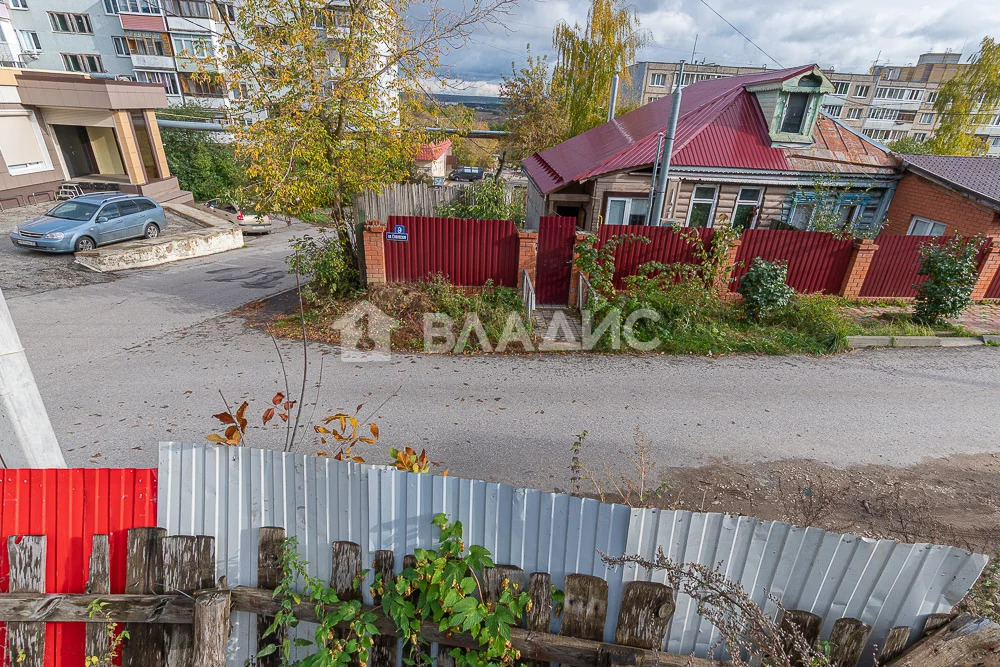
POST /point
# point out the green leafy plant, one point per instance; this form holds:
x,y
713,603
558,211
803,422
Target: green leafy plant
x,y
330,264
764,289
97,607
202,163
443,588
489,199
951,272
834,208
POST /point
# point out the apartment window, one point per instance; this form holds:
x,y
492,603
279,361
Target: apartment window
x,y
885,135
22,145
920,136
659,79
200,86
702,211
82,62
228,11
121,46
841,87
886,93
18,4
833,109
995,142
627,211
651,98
147,43
191,46
166,79
931,98
996,120
862,91
927,118
111,7
881,113
925,227
29,40
695,77
77,23
855,113
914,94
747,208
795,113
189,8
137,6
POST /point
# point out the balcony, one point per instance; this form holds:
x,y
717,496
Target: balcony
x,y
152,62
192,24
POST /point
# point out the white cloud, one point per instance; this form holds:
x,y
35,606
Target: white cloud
x,y
846,34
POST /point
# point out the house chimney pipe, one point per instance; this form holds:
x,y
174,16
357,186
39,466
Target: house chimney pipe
x,y
26,436
656,170
668,148
614,98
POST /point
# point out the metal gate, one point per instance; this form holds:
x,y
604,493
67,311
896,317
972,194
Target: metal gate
x,y
556,236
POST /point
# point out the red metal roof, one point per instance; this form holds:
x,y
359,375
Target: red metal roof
x,y
431,152
720,125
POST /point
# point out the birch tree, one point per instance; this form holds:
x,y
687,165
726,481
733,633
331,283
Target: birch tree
x,y
966,102
534,119
587,57
320,89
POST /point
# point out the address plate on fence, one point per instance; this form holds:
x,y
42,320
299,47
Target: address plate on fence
x,y
398,233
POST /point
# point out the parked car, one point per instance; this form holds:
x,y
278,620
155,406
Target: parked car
x,y
467,174
83,223
250,221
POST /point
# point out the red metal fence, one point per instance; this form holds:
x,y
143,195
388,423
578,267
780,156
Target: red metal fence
x,y
70,506
893,271
817,262
469,252
666,246
993,291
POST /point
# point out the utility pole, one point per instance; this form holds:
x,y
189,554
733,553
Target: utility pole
x,y
614,98
694,48
26,436
668,148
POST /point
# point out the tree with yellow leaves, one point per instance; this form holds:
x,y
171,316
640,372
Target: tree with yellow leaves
x,y
587,57
322,85
968,101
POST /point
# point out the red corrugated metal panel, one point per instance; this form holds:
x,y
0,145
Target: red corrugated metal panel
x,y
554,266
893,271
817,262
469,252
70,507
993,292
666,246
148,22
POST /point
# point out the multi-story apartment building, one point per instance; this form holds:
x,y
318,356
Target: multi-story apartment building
x,y
151,41
888,103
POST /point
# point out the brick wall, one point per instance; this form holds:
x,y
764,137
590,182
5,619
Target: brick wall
x,y
918,196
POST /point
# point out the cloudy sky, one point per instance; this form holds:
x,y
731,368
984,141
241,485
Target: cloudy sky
x,y
846,34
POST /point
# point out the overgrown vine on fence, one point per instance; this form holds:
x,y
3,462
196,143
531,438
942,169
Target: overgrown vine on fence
x,y
444,588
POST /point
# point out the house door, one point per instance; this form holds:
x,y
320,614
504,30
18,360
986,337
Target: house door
x,y
75,146
556,236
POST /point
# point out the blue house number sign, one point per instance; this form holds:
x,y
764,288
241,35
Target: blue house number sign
x,y
398,233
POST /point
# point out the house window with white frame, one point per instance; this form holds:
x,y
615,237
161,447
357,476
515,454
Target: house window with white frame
x,y
166,79
658,79
747,208
701,213
995,142
29,40
881,113
862,90
138,6
82,62
841,87
833,109
926,227
927,118
920,136
627,211
191,46
121,46
932,98
855,113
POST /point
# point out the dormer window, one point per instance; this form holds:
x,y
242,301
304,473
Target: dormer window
x,y
795,113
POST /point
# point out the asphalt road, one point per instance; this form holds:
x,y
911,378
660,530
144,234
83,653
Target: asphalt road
x,y
125,364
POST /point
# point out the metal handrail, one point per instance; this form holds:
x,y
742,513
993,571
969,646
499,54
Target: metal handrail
x,y
527,294
583,291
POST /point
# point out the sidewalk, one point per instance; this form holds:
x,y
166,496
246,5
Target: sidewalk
x,y
979,318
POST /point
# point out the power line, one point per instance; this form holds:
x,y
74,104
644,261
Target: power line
x,y
742,34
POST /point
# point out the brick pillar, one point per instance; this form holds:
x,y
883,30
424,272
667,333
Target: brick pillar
x,y
726,272
987,271
527,256
857,269
375,253
574,273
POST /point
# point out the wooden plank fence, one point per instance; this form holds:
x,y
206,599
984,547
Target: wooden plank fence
x,y
179,616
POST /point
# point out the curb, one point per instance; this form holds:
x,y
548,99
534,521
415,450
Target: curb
x,y
863,342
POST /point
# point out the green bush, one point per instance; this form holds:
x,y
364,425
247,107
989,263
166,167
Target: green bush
x,y
328,263
764,290
493,304
202,164
489,199
951,273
